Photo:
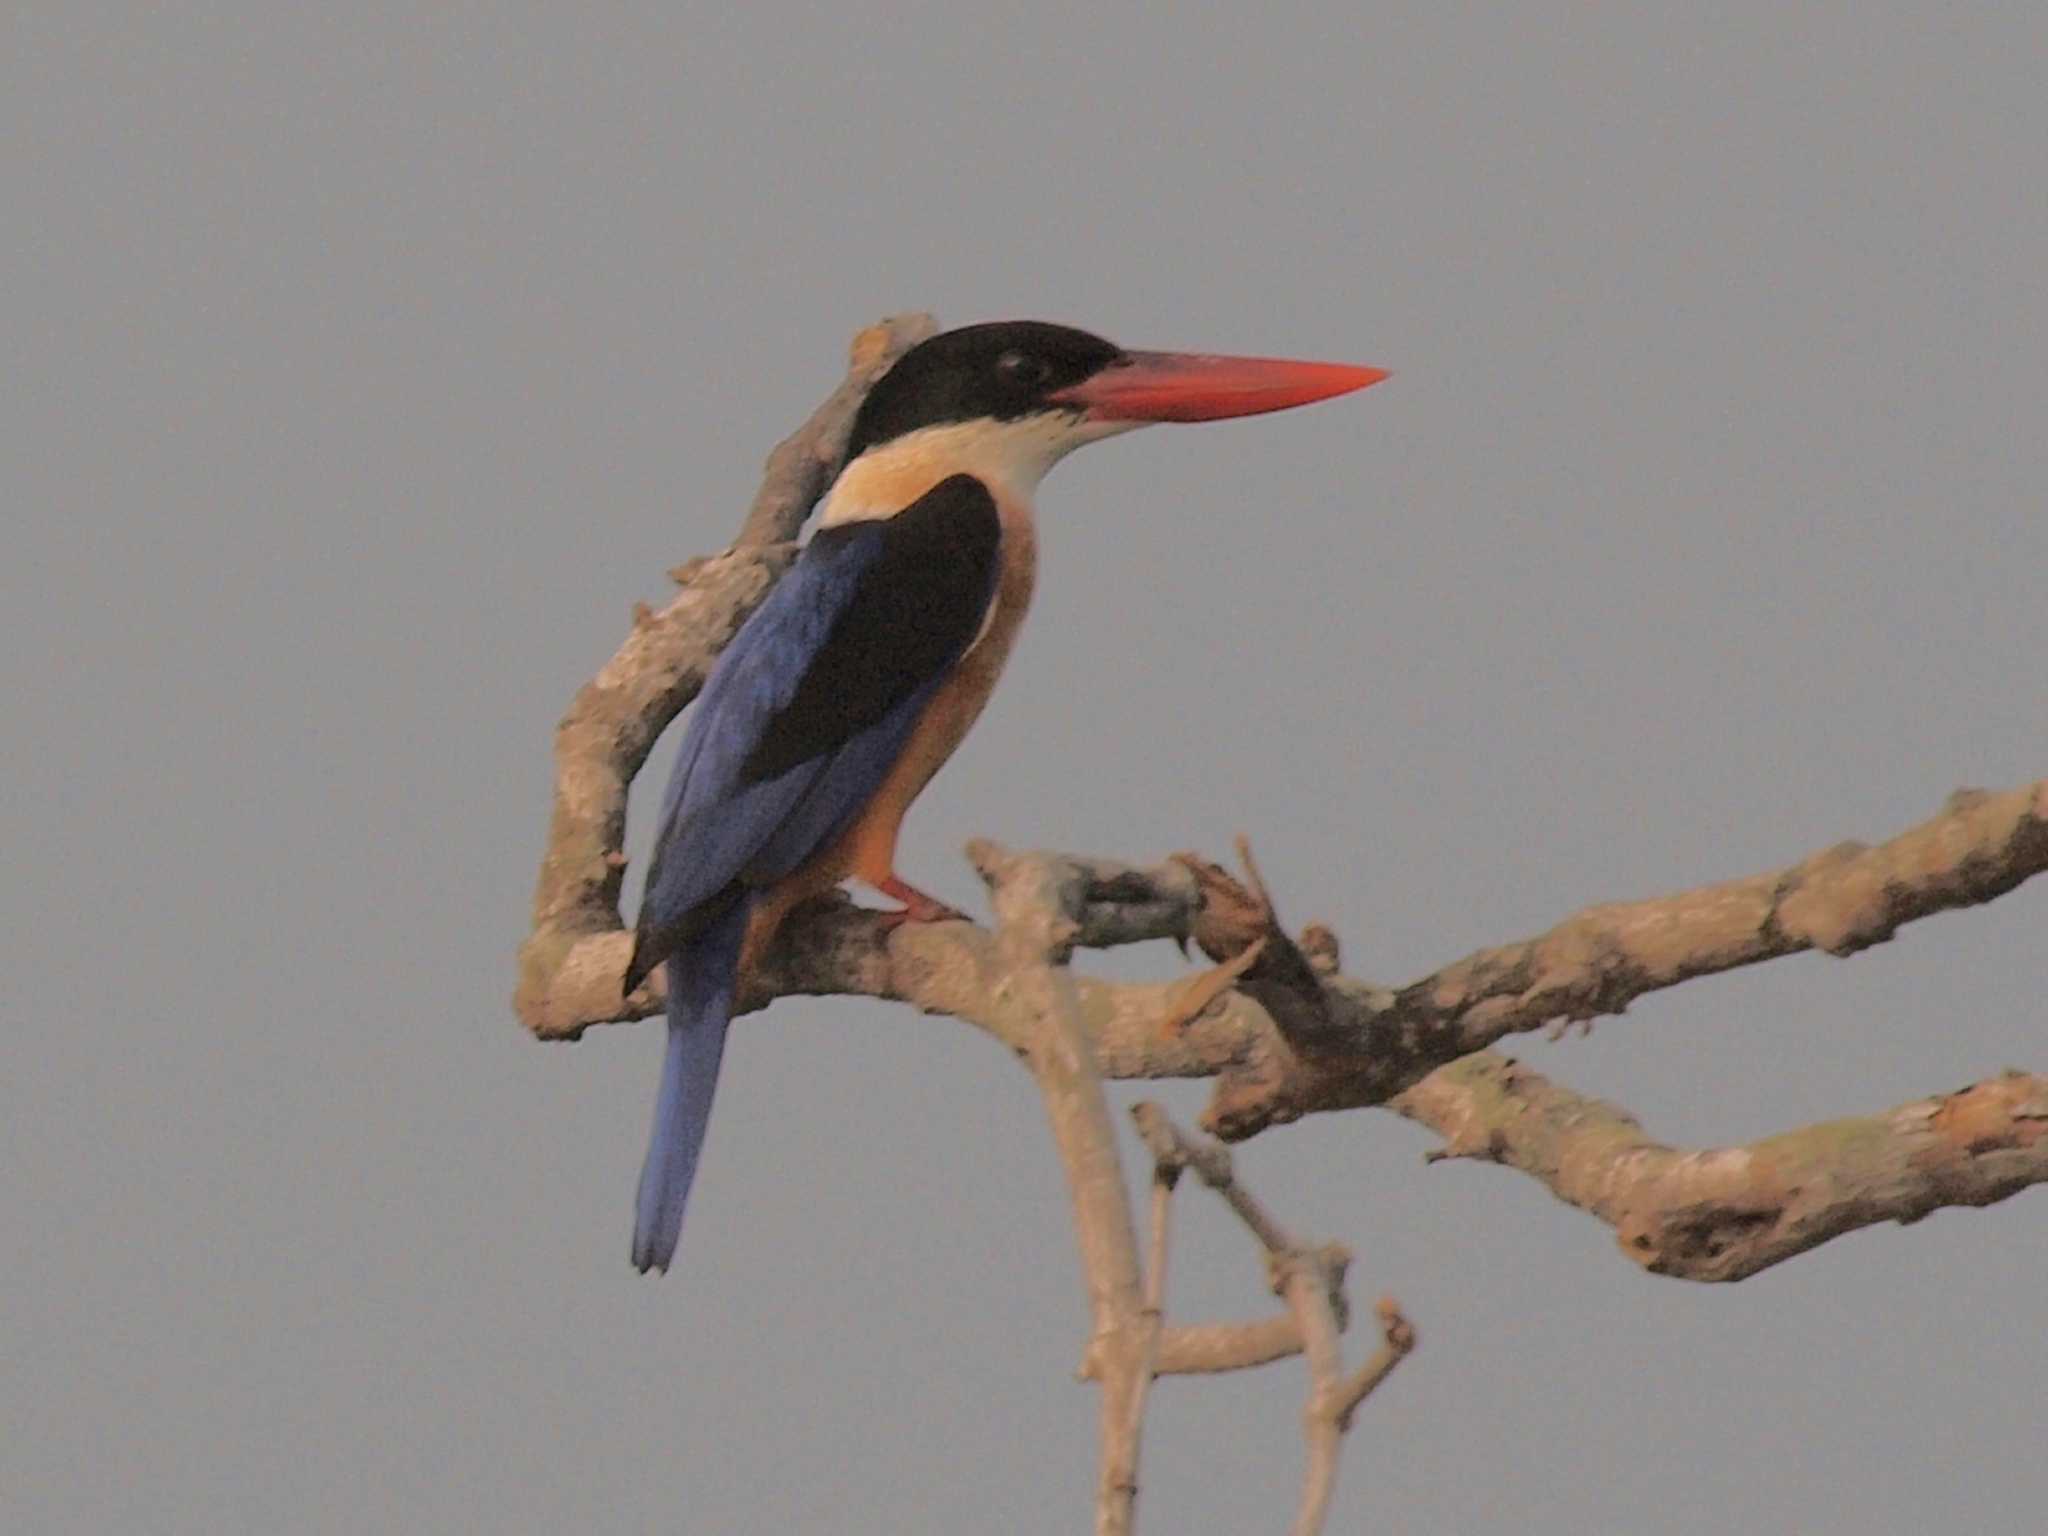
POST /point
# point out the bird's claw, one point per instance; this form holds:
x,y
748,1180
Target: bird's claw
x,y
917,907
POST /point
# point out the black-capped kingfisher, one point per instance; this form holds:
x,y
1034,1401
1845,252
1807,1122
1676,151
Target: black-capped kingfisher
x,y
851,685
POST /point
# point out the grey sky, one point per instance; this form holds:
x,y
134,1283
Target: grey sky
x,y
363,369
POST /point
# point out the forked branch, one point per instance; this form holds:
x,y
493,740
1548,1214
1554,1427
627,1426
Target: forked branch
x,y
1041,904
1311,1280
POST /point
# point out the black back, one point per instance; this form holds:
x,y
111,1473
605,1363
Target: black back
x,y
1002,370
925,578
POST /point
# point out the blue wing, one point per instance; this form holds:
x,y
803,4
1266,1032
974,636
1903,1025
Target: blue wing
x,y
799,723
810,705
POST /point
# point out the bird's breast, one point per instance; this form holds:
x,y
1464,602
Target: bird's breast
x,y
959,700
1016,578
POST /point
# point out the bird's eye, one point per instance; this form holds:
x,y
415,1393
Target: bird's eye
x,y
1021,368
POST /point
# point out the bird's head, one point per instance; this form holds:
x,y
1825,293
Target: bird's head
x,y
1008,400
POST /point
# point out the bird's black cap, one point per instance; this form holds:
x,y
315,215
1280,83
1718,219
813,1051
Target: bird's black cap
x,y
1002,371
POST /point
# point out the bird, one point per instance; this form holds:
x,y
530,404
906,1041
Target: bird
x,y
867,663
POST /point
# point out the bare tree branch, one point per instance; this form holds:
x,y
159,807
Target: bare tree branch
x,y
1727,1212
1203,1349
1033,899
1351,1043
1397,1341
1152,1317
800,467
1312,1282
1356,1044
1207,1347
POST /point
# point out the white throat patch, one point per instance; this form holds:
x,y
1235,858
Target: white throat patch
x,y
1009,457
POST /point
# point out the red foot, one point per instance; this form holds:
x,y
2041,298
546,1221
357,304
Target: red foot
x,y
917,907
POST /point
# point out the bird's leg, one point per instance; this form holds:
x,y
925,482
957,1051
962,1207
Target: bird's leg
x,y
917,907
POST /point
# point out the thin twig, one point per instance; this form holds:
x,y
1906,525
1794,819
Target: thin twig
x,y
1397,1340
1203,1349
1311,1281
1306,1286
1151,1318
1213,1165
1333,1397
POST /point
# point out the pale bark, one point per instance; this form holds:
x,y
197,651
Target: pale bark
x,y
1726,1212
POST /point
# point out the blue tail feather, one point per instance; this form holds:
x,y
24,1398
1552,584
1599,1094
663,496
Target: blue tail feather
x,y
701,977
